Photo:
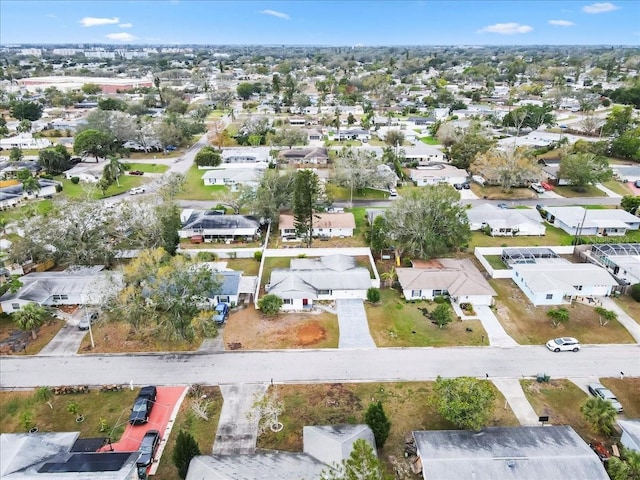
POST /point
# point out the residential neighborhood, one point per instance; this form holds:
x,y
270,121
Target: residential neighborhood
x,y
261,251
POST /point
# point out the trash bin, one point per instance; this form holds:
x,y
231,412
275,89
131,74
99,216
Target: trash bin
x,y
542,378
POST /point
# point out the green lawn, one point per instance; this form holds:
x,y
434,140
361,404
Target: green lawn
x,y
344,193
79,190
569,192
395,322
28,209
360,216
343,143
430,140
553,236
495,261
618,187
269,264
148,167
195,189
249,266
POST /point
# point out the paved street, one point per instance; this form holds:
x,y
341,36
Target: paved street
x,y
319,366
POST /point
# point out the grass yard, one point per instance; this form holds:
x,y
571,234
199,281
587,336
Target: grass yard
x,y
529,325
11,335
430,140
82,189
148,167
120,337
397,323
195,189
344,194
204,431
155,155
29,209
618,187
553,236
406,404
248,329
560,400
360,216
569,192
269,264
629,305
495,261
343,143
496,193
247,265
113,407
628,392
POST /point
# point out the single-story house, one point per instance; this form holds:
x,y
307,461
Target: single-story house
x,y
326,278
505,222
506,453
297,121
630,434
212,226
314,134
423,154
324,225
232,177
582,221
323,448
303,156
9,169
422,121
622,260
550,169
353,134
561,282
458,279
437,174
245,155
12,195
63,456
74,286
85,172
24,141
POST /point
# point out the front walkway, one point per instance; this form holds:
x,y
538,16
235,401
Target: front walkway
x,y
498,337
238,431
627,322
610,193
513,393
352,321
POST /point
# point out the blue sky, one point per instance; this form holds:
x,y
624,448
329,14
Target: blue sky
x,y
309,22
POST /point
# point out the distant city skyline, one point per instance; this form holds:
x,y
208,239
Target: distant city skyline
x,y
332,23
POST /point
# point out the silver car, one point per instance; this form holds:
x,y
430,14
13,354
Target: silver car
x,y
599,390
88,319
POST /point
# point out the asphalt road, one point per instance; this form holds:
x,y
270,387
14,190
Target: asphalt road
x,y
319,366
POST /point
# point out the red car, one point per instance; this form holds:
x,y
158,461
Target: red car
x,y
136,172
546,186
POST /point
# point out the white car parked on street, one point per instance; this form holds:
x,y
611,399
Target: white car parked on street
x,y
136,190
563,344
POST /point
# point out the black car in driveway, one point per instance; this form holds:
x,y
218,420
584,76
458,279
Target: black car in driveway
x,y
148,448
143,405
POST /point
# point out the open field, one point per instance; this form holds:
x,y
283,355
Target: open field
x,y
397,323
406,404
248,329
529,325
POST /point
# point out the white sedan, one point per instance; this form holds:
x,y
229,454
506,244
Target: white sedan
x,y
136,190
563,344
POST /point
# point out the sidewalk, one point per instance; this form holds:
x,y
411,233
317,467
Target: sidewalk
x,y
513,393
498,337
627,322
610,193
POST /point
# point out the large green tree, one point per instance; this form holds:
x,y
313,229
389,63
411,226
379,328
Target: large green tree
x,y
273,194
582,169
627,467
54,160
465,401
26,110
529,116
630,203
31,317
112,170
377,420
464,151
362,464
619,120
428,222
208,157
93,143
306,189
185,449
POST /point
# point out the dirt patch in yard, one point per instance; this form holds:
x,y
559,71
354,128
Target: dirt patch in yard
x,y
248,329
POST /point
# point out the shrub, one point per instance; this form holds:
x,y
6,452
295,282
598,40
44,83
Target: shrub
x,y
186,448
635,292
373,295
257,256
75,180
377,420
440,299
26,420
58,188
270,304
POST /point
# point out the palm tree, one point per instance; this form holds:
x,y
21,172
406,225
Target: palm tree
x,y
30,184
31,317
627,467
600,414
605,316
558,315
113,170
389,277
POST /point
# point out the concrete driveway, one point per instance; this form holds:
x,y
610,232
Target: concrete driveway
x,y
67,341
498,337
354,328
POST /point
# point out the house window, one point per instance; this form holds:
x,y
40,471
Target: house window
x,y
15,306
287,301
415,293
439,293
549,296
57,298
324,292
223,299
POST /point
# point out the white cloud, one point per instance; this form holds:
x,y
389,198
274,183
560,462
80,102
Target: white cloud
x,y
120,36
273,13
561,23
600,8
126,25
95,21
510,28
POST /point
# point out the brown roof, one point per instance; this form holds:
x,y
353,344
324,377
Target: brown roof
x,y
322,220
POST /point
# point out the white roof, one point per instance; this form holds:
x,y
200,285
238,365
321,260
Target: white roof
x,y
501,217
562,277
611,218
